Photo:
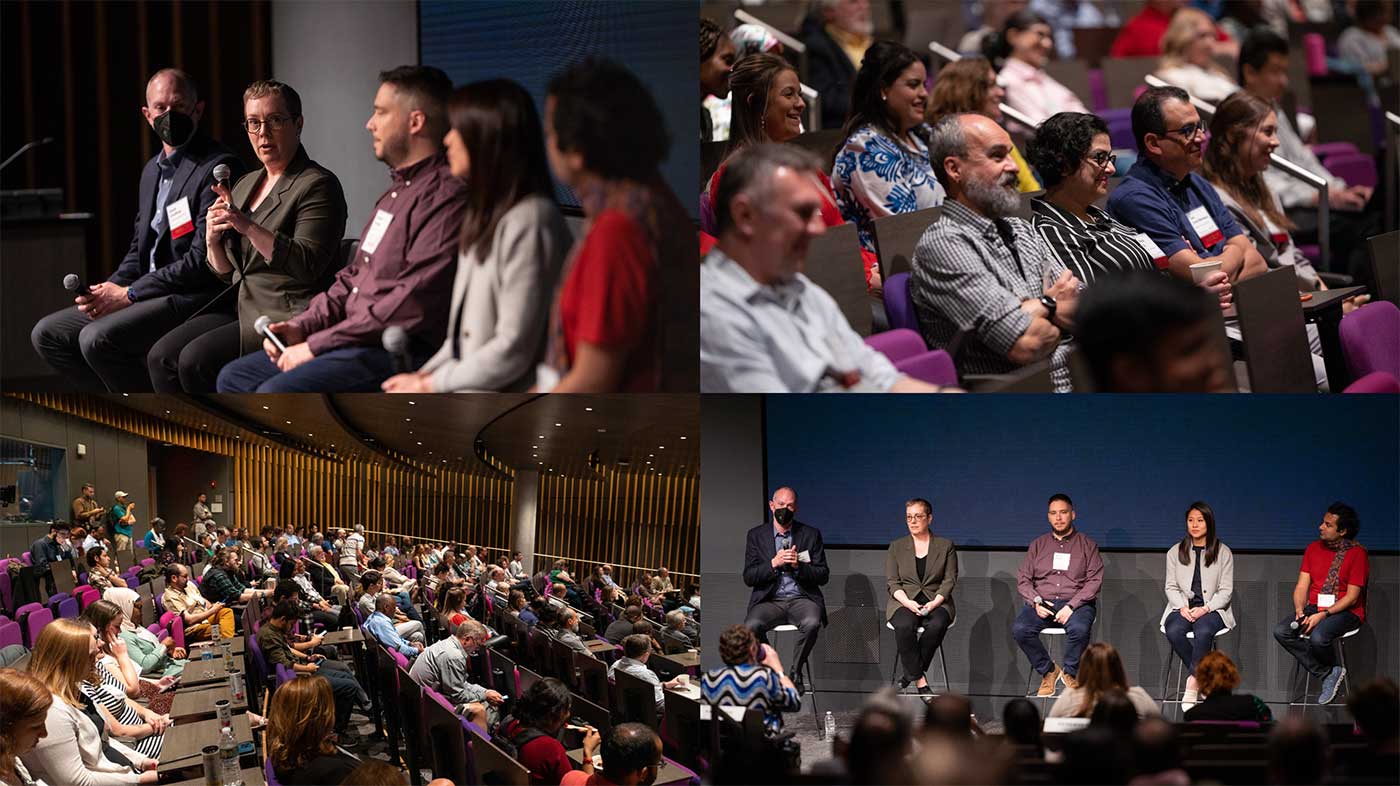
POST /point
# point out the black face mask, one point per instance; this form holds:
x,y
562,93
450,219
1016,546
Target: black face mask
x,y
783,516
175,128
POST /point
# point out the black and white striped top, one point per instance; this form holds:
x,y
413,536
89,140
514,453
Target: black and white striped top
x,y
1092,251
110,693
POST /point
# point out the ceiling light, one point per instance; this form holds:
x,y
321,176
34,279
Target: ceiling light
x,y
541,436
126,395
420,443
660,447
408,420
682,437
412,403
289,423
266,406
204,425
602,431
167,412
557,425
587,409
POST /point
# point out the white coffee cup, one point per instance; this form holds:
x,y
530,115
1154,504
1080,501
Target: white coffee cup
x,y
1202,270
683,680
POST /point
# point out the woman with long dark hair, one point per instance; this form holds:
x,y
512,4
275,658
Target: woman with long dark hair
x,y
512,246
883,166
1200,586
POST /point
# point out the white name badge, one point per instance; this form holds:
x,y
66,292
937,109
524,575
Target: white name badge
x,y
1154,252
177,214
1326,600
375,233
1061,561
1205,227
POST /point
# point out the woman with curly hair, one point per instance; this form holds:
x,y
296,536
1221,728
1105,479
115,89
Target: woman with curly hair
x,y
301,734
1216,679
752,677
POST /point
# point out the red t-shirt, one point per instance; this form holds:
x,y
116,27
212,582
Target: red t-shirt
x,y
544,757
609,298
1356,567
1142,35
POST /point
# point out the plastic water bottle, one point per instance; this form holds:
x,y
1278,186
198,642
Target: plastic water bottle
x,y
829,726
229,772
216,632
228,654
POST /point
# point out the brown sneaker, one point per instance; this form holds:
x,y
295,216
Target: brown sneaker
x,y
1047,682
1069,680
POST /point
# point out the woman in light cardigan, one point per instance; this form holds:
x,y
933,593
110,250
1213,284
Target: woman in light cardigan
x,y
1200,586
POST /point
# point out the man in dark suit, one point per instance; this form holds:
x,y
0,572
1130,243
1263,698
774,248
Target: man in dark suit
x,y
837,35
785,564
101,343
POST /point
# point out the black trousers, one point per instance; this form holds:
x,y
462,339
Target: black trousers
x,y
805,613
188,358
107,353
916,652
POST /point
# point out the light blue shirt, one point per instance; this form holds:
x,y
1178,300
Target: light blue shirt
x,y
383,629
167,166
787,583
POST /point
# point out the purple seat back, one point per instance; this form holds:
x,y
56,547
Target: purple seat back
x,y
7,589
68,608
1098,90
269,775
1315,52
34,623
1371,339
897,344
1375,382
1358,169
1120,128
148,562
54,600
88,596
1325,150
259,662
934,367
284,675
399,659
26,559
899,306
10,633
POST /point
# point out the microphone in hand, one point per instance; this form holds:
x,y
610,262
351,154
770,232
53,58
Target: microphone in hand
x,y
72,284
262,326
222,173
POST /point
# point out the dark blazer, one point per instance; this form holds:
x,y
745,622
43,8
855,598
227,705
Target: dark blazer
x,y
180,268
306,211
940,572
830,73
758,563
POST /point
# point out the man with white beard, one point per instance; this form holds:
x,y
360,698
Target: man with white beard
x,y
985,285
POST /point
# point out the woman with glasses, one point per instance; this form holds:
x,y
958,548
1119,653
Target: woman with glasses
x,y
1072,153
920,572
1020,52
275,235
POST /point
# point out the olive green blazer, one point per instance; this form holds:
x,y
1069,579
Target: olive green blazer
x,y
307,213
940,572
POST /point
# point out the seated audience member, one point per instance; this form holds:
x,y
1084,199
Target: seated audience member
x,y
949,714
768,107
1142,35
1021,51
970,86
301,736
272,638
512,246
223,582
661,583
1216,679
716,62
536,721
182,597
1375,708
625,626
454,605
1164,197
1329,599
943,759
400,273
521,609
994,15
1188,57
261,566
626,303
278,250
1020,722
631,755
1157,755
1147,333
1370,39
517,567
152,655
881,742
444,668
114,683
568,632
883,166
371,586
95,538
765,327
1298,752
636,651
382,626
24,704
979,271
101,343
1075,158
752,677
1100,671
101,576
1065,17
62,659
838,37
326,574
682,628
294,572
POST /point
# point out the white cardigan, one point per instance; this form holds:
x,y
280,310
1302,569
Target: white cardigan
x,y
70,731
1217,582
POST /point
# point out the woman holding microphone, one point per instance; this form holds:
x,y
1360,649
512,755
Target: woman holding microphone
x,y
921,570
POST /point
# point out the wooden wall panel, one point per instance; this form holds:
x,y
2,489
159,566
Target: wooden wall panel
x,y
625,518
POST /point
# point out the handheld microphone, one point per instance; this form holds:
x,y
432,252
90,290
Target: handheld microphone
x,y
261,327
221,176
72,284
395,341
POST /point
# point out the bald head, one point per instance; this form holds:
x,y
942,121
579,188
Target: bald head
x,y
171,88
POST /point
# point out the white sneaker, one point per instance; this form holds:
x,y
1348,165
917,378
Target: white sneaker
x,y
1189,699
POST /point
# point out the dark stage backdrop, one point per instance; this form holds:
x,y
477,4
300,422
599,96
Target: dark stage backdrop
x,y
1268,465
531,42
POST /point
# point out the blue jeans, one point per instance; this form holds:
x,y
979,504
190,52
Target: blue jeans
x,y
1316,653
1028,625
346,370
1192,650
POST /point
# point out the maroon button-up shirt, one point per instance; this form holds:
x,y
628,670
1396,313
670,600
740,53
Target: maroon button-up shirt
x,y
1079,583
406,280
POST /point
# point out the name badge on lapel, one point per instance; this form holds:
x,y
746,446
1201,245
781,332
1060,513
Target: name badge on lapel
x,y
1154,251
375,233
177,215
1205,227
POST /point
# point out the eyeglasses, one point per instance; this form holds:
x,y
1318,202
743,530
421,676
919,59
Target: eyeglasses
x,y
915,517
1189,130
274,123
1102,159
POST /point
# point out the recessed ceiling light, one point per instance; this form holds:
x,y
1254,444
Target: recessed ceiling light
x,y
237,436
587,409
602,431
204,425
266,406
167,412
309,434
408,420
420,443
557,425
660,447
126,395
682,437
541,436
289,423
412,403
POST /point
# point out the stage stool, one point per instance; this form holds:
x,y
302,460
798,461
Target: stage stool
x,y
1172,659
1057,660
806,675
894,673
1342,689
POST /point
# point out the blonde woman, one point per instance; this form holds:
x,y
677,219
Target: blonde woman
x,y
1188,57
63,657
116,682
24,704
301,734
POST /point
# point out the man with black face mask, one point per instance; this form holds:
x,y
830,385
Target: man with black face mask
x,y
785,564
101,343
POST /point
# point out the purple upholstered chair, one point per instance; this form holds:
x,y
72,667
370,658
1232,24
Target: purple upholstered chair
x,y
10,633
934,367
1371,339
34,622
1098,90
68,608
899,306
1120,128
1375,382
1355,168
897,344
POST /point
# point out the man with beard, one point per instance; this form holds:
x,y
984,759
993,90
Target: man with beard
x,y
765,327
981,280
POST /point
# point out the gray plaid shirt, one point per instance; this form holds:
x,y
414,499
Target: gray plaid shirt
x,y
966,281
